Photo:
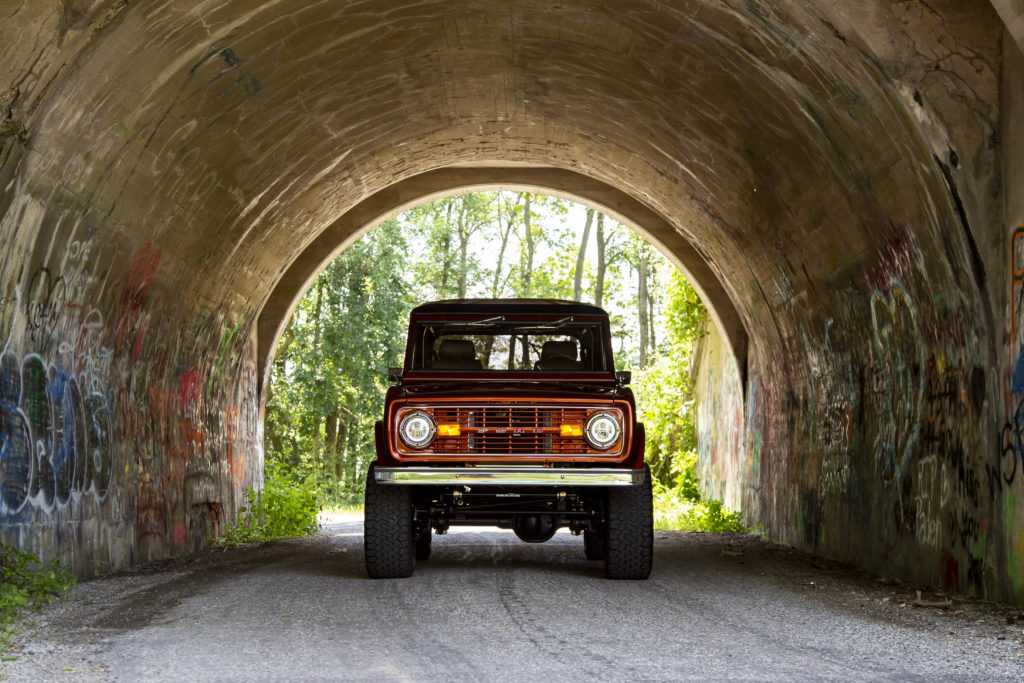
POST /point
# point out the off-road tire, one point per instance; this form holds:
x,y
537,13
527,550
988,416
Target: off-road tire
x,y
594,545
388,542
629,530
423,544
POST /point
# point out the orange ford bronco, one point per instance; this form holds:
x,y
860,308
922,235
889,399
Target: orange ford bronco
x,y
509,413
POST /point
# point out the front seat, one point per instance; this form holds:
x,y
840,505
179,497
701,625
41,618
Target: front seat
x,y
456,354
558,355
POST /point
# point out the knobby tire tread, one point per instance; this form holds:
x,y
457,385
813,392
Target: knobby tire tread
x,y
630,531
388,544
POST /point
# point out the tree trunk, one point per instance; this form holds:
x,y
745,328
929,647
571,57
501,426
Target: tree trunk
x,y
318,312
446,244
341,449
331,443
530,247
650,321
464,232
512,352
601,263
528,271
642,304
506,232
577,282
318,445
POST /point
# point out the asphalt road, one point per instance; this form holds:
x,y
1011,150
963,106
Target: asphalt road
x,y
489,607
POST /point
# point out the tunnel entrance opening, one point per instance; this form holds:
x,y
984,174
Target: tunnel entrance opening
x,y
328,373
405,194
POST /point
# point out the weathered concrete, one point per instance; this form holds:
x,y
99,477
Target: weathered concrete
x,y
721,444
170,172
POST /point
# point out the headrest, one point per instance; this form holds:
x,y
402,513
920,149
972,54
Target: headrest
x,y
552,349
456,350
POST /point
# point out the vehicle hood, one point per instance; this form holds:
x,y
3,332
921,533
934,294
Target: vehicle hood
x,y
514,390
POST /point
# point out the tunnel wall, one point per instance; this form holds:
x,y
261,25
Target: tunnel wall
x,y
1010,442
891,431
129,403
721,450
899,403
126,440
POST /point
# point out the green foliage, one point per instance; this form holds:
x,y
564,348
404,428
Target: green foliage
x,y
685,315
27,583
283,509
665,402
330,373
665,405
679,505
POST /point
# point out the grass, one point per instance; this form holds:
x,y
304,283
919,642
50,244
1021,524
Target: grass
x,y
677,510
26,583
342,509
282,509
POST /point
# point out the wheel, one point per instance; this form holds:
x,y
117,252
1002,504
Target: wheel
x,y
388,542
629,530
594,545
423,544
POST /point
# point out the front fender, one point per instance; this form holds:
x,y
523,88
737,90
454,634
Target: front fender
x,y
636,453
380,440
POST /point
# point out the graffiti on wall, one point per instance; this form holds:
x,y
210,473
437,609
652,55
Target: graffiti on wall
x,y
1006,471
152,427
198,432
900,354
720,422
831,407
56,434
56,438
1011,439
114,406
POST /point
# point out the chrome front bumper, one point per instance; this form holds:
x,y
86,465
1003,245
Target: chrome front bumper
x,y
508,476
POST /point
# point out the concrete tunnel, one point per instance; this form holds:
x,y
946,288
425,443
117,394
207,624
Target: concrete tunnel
x,y
844,185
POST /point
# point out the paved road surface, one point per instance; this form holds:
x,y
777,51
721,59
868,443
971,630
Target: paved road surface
x,y
488,607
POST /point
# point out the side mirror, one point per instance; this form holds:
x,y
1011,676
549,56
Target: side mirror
x,y
395,375
623,377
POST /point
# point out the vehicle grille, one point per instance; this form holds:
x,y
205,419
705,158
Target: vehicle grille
x,y
513,430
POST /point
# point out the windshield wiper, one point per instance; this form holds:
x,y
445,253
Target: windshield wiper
x,y
555,324
467,323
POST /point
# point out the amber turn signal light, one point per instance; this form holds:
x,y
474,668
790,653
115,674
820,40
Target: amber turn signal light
x,y
572,430
448,430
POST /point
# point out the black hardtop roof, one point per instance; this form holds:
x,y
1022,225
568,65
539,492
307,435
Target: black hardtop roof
x,y
508,306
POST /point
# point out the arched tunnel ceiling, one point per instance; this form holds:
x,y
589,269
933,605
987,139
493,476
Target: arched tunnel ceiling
x,y
232,134
834,175
420,188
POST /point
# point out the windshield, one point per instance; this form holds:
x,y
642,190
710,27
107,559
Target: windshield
x,y
504,344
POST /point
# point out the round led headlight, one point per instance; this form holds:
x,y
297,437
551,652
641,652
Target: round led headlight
x,y
602,430
417,429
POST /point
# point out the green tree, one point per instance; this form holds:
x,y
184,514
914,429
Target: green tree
x,y
330,372
664,393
